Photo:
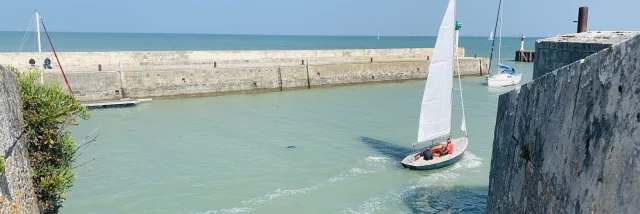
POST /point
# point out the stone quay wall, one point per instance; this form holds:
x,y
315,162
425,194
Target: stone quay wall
x,y
201,73
569,141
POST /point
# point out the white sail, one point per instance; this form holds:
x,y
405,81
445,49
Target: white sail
x,y
435,113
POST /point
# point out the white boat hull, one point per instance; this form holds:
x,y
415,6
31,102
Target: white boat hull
x,y
504,79
459,146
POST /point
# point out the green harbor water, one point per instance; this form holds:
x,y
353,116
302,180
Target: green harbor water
x,y
229,154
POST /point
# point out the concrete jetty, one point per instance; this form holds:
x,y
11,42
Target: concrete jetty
x,y
568,141
99,76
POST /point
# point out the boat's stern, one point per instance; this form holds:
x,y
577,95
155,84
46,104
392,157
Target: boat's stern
x,y
406,162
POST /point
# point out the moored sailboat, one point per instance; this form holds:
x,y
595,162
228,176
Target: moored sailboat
x,y
507,75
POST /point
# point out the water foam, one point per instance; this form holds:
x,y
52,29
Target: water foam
x,y
346,175
373,159
374,204
278,193
228,211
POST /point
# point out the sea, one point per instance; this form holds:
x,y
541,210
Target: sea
x,y
319,150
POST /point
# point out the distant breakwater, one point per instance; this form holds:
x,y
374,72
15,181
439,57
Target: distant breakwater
x,y
96,76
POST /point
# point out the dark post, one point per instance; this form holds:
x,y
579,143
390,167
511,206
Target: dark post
x,y
308,81
99,67
583,16
215,64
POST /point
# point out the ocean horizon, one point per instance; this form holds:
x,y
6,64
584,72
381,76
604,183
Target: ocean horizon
x,y
22,41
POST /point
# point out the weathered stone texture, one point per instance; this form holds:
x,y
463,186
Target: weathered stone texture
x,y
556,52
581,124
104,85
142,60
16,185
109,85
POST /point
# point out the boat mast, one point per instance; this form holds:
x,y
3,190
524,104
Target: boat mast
x,y
500,38
39,49
493,41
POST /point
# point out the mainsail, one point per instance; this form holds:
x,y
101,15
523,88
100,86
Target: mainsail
x,y
435,113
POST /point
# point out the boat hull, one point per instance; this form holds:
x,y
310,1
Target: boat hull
x,y
504,80
434,166
459,147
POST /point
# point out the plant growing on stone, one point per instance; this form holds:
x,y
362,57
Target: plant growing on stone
x,y
47,111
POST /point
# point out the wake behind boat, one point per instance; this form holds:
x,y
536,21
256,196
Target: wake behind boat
x,y
435,112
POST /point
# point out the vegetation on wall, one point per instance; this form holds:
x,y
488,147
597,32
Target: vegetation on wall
x,y
47,111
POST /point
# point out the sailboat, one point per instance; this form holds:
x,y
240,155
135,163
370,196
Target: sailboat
x,y
507,75
435,111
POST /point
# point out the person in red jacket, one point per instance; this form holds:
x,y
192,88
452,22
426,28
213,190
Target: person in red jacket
x,y
440,150
449,148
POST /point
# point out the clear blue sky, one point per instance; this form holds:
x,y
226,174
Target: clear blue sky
x,y
316,17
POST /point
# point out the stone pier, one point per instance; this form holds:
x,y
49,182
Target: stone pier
x,y
96,76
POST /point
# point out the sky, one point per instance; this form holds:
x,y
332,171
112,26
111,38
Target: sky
x,y
534,18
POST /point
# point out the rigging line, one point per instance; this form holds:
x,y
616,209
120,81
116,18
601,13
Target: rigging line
x,y
456,33
55,54
26,34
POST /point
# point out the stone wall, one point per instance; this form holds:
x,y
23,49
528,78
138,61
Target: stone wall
x,y
16,185
142,60
569,141
152,82
556,52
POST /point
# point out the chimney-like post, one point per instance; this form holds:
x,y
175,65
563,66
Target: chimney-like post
x,y
583,17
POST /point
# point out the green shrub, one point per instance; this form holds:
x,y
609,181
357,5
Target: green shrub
x,y
1,165
47,110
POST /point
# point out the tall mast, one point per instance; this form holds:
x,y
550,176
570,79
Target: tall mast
x,y
493,41
500,40
39,49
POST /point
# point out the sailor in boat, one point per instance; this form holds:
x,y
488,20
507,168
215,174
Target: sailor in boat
x,y
426,154
440,150
436,151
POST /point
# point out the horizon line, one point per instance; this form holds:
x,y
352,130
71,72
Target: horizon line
x,y
243,34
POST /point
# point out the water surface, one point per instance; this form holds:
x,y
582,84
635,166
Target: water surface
x,y
229,154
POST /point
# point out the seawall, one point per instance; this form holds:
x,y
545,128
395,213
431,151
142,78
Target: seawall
x,y
17,187
569,141
142,60
200,73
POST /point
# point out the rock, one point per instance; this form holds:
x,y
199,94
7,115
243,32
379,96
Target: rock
x,y
17,187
